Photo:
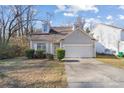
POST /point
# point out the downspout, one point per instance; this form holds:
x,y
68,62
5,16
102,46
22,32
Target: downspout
x,y
118,46
94,49
61,43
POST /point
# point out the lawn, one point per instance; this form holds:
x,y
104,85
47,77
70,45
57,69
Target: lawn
x,y
21,72
112,60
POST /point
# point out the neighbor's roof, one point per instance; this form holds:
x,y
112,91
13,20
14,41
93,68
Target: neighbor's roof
x,y
110,26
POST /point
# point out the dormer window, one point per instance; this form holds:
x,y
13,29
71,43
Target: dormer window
x,y
45,27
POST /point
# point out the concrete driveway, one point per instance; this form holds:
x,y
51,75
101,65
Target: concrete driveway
x,y
89,73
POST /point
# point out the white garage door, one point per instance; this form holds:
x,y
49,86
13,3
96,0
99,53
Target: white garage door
x,y
78,51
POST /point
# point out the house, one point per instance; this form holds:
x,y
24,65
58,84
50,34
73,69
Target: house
x,y
110,39
76,43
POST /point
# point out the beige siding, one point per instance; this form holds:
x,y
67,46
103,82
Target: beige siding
x,y
34,45
82,40
77,37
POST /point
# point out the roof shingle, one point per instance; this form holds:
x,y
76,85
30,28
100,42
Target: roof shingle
x,y
55,34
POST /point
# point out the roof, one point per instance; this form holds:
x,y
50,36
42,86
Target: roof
x,y
82,32
62,28
110,26
55,38
55,30
55,34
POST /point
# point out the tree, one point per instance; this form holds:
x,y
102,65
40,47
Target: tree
x,y
12,21
28,16
30,20
17,20
79,23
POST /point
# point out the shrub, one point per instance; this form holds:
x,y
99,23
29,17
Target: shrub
x,y
120,54
11,53
7,52
29,53
17,50
60,53
20,42
39,53
50,56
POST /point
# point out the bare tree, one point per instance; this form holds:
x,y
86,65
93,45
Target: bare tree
x,y
18,10
10,22
17,20
29,18
79,23
49,16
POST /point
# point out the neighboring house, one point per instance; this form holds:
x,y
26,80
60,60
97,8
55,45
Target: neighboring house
x,y
76,43
109,39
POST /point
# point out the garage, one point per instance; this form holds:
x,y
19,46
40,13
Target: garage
x,y
78,44
78,51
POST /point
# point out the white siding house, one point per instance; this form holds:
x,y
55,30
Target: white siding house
x,y
109,39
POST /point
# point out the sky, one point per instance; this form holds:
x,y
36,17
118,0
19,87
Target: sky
x,y
67,14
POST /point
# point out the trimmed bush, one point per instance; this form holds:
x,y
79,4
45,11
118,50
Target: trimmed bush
x,y
120,54
29,53
60,53
39,53
50,56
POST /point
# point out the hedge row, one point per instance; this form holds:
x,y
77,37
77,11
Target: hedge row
x,y
31,53
10,51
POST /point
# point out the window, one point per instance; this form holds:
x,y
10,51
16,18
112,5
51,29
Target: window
x,y
45,28
38,45
41,46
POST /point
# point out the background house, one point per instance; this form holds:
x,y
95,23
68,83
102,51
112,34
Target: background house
x,y
110,39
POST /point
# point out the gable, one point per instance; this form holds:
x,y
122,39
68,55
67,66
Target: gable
x,y
77,37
